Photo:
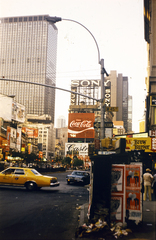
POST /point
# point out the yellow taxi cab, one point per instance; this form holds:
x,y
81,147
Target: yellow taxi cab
x,y
27,177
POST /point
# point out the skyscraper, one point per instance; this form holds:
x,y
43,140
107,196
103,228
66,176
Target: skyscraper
x,y
119,97
28,47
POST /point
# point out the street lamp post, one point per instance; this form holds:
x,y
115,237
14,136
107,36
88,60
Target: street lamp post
x,y
103,71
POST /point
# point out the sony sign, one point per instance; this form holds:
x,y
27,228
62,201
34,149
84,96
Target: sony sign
x,y
73,96
85,83
107,84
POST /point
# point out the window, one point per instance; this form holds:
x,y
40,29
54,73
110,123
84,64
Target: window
x,y
35,172
9,171
19,171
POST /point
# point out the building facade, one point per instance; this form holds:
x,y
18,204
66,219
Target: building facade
x,y
130,109
28,53
119,98
150,38
61,122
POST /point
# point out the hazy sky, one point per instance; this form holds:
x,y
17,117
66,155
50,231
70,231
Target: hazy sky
x,y
118,27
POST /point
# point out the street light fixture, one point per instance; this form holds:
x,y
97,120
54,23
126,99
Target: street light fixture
x,y
102,72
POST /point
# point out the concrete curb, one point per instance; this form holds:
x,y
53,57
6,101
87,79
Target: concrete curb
x,y
83,214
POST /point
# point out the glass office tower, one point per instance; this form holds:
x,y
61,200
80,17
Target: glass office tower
x,y
28,47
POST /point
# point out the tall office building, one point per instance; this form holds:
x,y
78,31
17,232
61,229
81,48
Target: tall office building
x,y
130,104
119,97
28,47
150,38
61,122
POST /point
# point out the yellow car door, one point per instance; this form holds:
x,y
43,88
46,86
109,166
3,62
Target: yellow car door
x,y
6,176
19,177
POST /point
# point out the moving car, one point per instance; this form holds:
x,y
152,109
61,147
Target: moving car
x,y
27,177
78,177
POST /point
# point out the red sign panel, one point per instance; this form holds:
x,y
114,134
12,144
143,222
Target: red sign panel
x,y
81,125
32,132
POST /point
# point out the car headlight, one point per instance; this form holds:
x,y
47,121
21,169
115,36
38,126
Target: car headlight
x,y
53,180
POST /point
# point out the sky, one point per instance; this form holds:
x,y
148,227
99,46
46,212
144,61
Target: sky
x,y
118,27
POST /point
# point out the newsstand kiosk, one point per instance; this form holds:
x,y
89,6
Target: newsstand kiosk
x,y
116,188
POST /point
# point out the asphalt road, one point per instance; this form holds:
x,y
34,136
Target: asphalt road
x,y
50,213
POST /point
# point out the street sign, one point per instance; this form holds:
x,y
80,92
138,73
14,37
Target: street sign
x,y
108,125
97,124
111,109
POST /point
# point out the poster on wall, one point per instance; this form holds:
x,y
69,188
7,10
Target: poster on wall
x,y
117,175
117,206
81,125
133,195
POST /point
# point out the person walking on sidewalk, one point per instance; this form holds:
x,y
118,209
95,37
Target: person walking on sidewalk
x,y
148,179
154,185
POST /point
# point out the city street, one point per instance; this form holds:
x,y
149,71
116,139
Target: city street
x,y
50,213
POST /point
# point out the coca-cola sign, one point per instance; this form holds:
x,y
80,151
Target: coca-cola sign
x,y
80,125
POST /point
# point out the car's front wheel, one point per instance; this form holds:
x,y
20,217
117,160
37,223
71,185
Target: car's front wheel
x,y
30,186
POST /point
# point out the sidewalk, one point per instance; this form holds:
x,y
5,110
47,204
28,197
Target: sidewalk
x,y
144,231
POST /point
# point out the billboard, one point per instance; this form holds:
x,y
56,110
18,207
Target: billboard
x,y
79,148
18,112
81,125
5,107
139,144
18,144
10,110
31,132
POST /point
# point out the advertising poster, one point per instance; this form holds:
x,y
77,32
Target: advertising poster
x,y
138,144
81,125
117,184
31,132
76,148
117,208
133,196
18,112
133,199
8,136
133,177
13,133
18,139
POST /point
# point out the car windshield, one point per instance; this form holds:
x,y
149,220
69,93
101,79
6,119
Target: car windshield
x,y
35,172
78,173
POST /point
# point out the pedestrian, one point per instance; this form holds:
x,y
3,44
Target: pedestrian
x,y
147,179
154,184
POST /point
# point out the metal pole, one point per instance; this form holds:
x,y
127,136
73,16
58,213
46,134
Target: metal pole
x,y
102,99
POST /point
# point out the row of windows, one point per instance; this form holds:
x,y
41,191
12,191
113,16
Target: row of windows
x,y
23,19
38,60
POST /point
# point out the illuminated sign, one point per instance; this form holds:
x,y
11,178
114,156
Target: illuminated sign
x,y
31,132
111,109
81,125
85,83
138,144
81,148
107,97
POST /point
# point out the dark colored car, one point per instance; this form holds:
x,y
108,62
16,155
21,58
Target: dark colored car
x,y
78,177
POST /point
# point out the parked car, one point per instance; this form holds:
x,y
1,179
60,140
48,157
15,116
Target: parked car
x,y
27,177
78,177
